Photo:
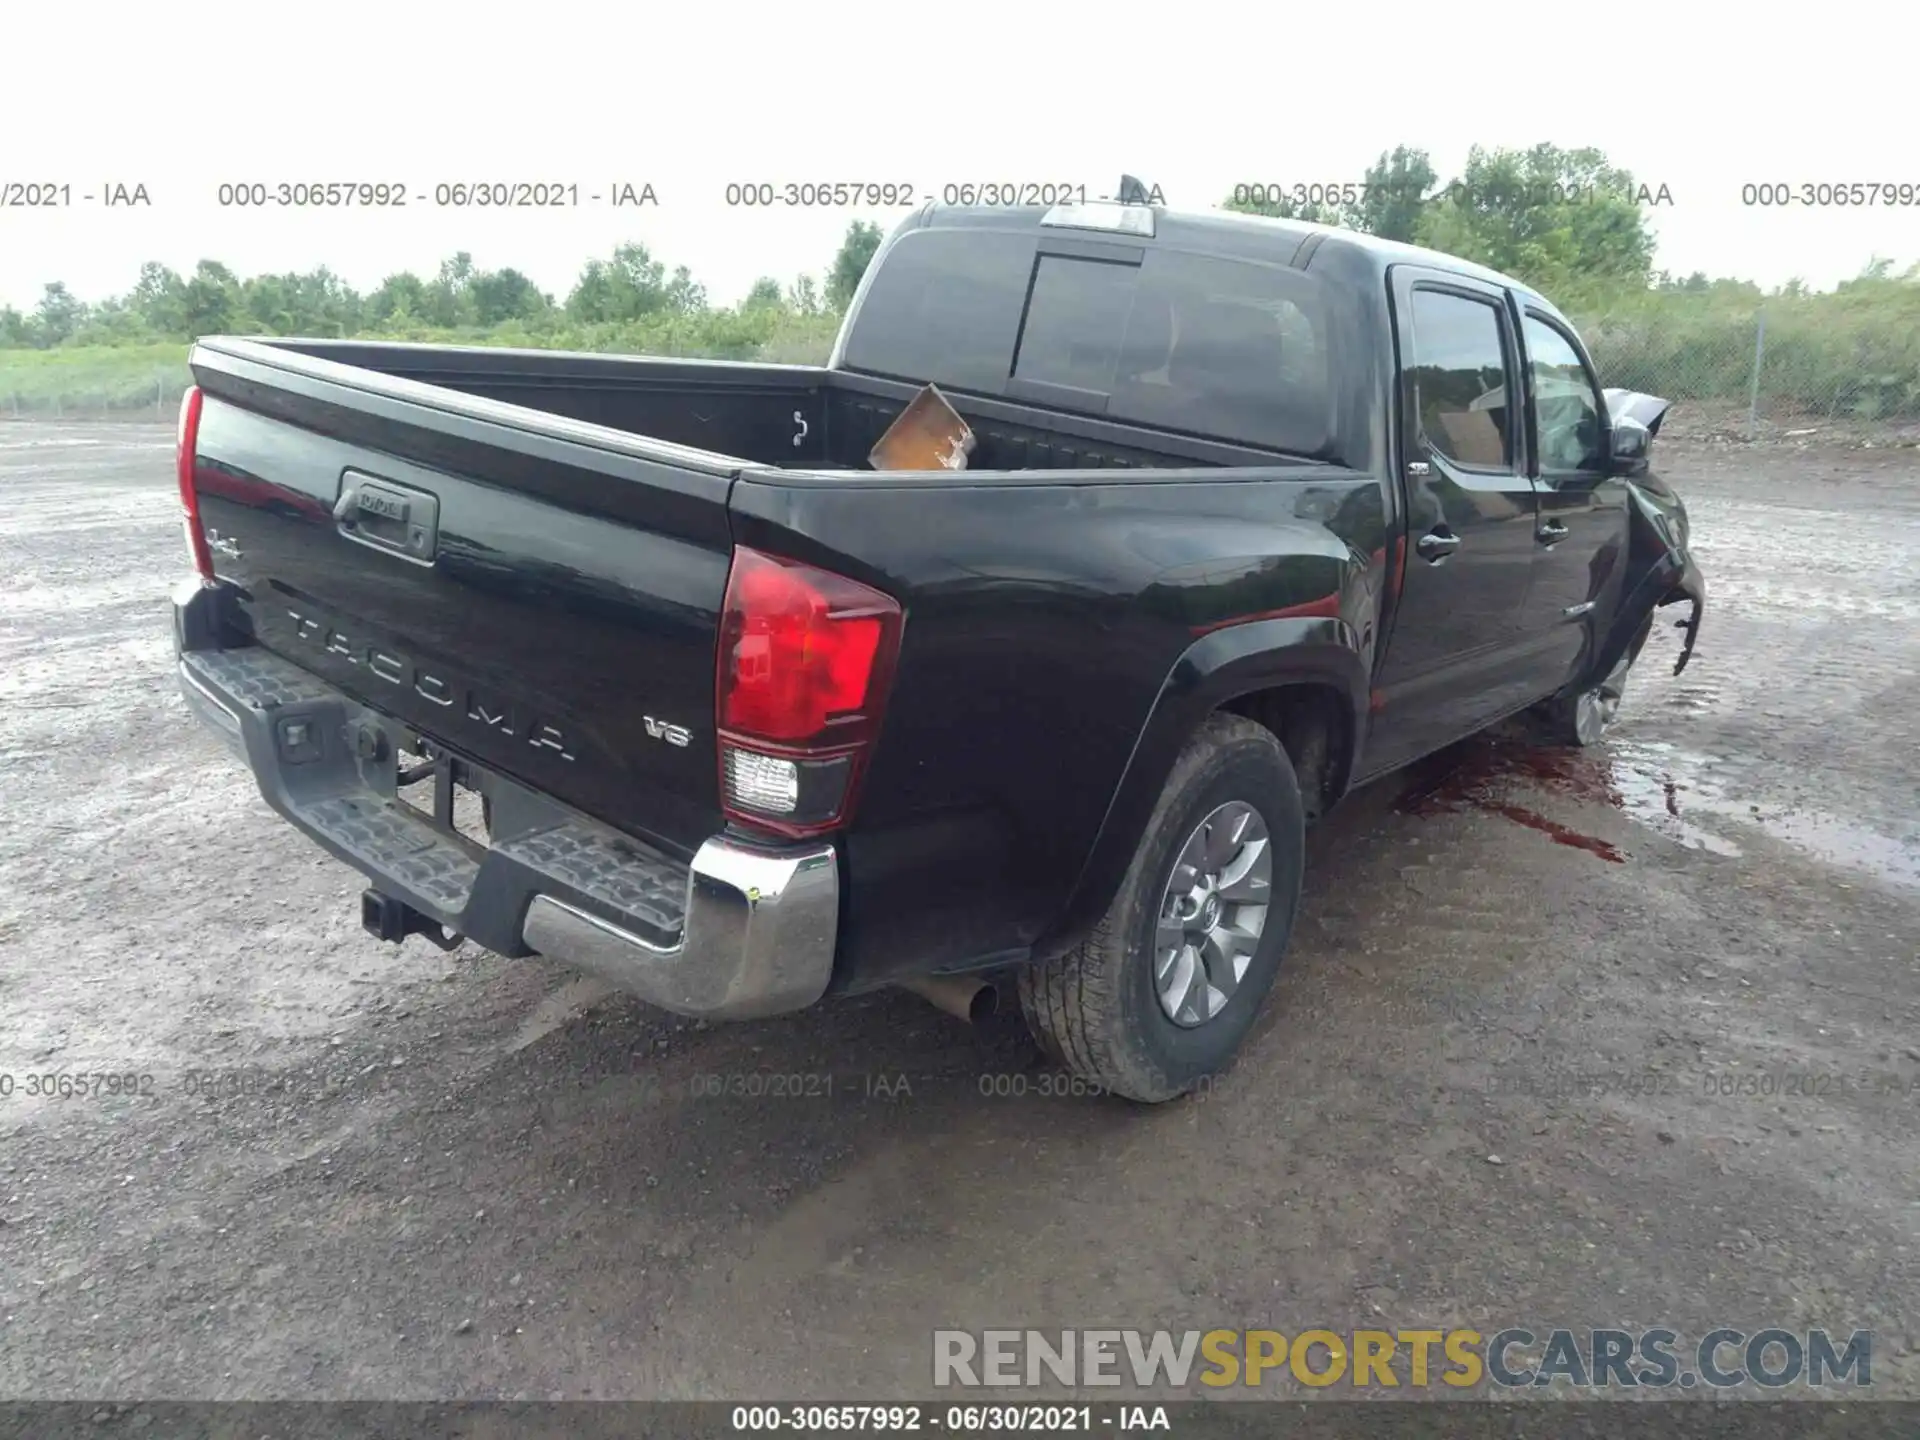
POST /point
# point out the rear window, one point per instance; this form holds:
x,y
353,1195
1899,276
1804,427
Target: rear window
x,y
1076,323
944,306
1226,349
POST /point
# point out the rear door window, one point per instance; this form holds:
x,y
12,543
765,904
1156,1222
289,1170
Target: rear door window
x,y
1459,379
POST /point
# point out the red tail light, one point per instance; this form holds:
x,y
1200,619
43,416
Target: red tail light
x,y
804,664
188,439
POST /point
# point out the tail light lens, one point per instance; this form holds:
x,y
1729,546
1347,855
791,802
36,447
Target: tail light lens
x,y
186,440
805,660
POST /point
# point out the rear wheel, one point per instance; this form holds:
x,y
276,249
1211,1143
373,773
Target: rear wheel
x,y
1161,994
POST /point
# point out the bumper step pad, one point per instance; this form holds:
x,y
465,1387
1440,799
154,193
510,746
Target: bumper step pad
x,y
361,822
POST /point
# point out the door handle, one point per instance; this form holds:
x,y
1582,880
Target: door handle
x,y
1550,532
1436,547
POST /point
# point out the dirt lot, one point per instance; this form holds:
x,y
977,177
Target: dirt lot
x,y
1627,1040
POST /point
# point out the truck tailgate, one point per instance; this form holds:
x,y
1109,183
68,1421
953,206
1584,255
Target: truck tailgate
x,y
537,594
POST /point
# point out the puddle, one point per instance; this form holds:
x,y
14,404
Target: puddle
x,y
1686,796
1843,843
1663,787
1691,786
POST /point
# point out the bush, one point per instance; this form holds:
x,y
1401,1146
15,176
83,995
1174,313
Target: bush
x,y
1853,351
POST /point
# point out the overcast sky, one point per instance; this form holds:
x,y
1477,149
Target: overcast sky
x,y
1193,97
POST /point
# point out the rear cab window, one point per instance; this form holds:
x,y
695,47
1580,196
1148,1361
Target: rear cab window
x,y
1226,349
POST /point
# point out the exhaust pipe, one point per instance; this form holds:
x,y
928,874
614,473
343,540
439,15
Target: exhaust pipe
x,y
966,997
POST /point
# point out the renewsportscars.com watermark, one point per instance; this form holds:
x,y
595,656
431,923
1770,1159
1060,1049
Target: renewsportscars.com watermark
x,y
1515,1358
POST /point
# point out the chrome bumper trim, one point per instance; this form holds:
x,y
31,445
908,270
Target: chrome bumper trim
x,y
758,940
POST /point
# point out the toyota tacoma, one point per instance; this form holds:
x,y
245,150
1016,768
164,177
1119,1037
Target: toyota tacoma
x,y
1255,511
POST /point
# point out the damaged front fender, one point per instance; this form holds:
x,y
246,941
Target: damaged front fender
x,y
1661,570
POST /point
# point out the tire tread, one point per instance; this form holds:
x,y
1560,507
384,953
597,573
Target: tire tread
x,y
1073,1003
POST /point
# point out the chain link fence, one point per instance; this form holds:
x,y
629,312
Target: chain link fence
x,y
1774,372
144,393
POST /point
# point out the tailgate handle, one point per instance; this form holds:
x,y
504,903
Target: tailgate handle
x,y
388,516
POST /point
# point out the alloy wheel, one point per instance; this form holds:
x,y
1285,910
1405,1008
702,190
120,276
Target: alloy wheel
x,y
1211,914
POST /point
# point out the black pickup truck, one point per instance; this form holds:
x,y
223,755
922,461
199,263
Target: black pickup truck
x,y
1256,511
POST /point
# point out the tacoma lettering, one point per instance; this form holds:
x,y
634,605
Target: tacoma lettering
x,y
495,716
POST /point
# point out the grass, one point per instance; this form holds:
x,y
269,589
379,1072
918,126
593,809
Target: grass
x,y
1853,352
93,379
150,376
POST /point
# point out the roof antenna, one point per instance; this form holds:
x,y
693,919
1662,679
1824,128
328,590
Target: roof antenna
x,y
1132,192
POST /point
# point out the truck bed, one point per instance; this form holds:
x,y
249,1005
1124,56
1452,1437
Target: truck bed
x,y
787,416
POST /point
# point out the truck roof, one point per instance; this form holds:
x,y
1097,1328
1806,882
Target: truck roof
x,y
1246,237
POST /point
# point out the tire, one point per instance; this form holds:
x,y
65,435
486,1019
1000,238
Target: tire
x,y
1098,1009
1583,718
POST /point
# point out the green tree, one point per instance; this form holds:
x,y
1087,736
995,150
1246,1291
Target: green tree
x,y
684,295
400,297
323,303
856,253
765,295
1559,219
502,295
58,315
1394,195
112,321
1875,270
1387,202
803,298
449,296
210,301
15,331
629,286
268,304
158,299
317,303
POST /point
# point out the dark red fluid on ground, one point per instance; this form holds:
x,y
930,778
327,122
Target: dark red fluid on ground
x,y
1554,830
1470,773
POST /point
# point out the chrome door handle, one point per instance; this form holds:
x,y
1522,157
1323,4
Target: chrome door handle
x,y
1551,532
1435,546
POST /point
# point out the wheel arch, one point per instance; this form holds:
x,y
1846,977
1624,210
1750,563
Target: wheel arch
x,y
1304,678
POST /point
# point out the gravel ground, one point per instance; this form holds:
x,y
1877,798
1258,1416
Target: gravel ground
x,y
1626,1039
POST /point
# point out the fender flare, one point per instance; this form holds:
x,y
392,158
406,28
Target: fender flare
x,y
1219,667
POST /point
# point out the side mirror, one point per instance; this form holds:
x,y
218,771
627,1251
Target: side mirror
x,y
1632,444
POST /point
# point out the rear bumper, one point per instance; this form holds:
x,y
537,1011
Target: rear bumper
x,y
742,931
